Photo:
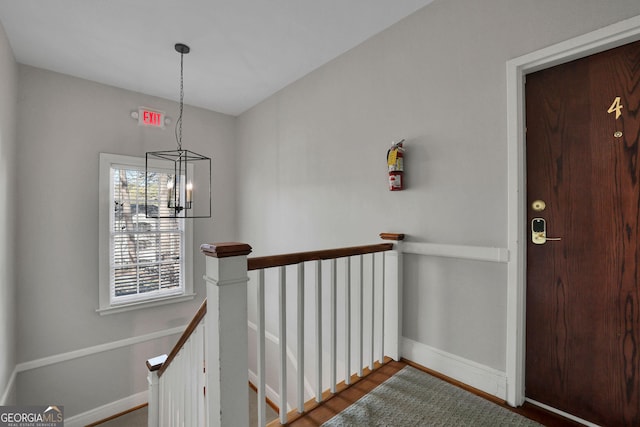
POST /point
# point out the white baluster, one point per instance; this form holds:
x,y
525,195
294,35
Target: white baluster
x,y
382,303
347,321
300,337
195,367
190,398
361,317
201,372
164,399
373,309
333,326
318,331
262,403
179,386
282,293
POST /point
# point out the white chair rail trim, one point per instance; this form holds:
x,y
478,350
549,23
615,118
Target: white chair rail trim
x,y
88,351
476,253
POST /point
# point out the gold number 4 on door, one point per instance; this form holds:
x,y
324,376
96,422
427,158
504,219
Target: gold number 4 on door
x,y
616,107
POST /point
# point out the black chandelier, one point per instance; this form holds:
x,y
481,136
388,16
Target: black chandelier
x,y
170,175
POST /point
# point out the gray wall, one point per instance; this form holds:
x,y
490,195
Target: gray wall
x,y
311,158
310,173
8,96
63,125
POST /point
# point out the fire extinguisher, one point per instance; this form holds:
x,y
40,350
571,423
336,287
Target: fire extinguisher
x,y
395,161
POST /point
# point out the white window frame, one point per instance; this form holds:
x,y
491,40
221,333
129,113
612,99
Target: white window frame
x,y
106,305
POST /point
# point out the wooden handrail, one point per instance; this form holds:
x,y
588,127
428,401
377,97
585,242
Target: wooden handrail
x,y
269,261
392,236
184,337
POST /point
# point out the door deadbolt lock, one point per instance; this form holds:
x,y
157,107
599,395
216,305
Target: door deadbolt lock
x,y
538,205
539,232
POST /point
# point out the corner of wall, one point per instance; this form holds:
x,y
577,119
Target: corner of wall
x,y
9,396
8,195
464,370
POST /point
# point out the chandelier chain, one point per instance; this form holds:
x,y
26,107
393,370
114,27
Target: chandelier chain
x,y
179,121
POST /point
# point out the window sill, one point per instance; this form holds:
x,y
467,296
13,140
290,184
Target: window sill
x,y
144,304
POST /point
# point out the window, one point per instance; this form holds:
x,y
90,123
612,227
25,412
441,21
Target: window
x,y
142,259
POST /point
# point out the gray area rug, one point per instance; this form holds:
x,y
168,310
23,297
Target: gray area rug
x,y
414,398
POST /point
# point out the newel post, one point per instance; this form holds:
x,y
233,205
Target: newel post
x,y
393,267
226,348
153,365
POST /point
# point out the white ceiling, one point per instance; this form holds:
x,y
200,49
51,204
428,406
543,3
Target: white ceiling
x,y
242,51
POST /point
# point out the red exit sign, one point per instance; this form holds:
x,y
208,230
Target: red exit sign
x,y
148,117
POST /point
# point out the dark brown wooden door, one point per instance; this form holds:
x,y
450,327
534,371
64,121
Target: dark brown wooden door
x,y
583,296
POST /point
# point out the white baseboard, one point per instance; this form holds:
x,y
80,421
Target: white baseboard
x,y
108,410
271,394
474,374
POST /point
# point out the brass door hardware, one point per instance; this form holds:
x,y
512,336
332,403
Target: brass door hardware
x,y
539,232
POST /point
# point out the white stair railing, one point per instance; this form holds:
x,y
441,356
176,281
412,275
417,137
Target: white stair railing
x,y
186,387
178,380
370,283
204,380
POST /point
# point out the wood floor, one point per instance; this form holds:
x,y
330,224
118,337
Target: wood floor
x,y
316,414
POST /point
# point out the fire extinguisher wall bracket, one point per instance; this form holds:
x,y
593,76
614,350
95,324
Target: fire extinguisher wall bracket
x,y
395,163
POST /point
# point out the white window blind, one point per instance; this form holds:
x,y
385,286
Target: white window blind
x,y
147,254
